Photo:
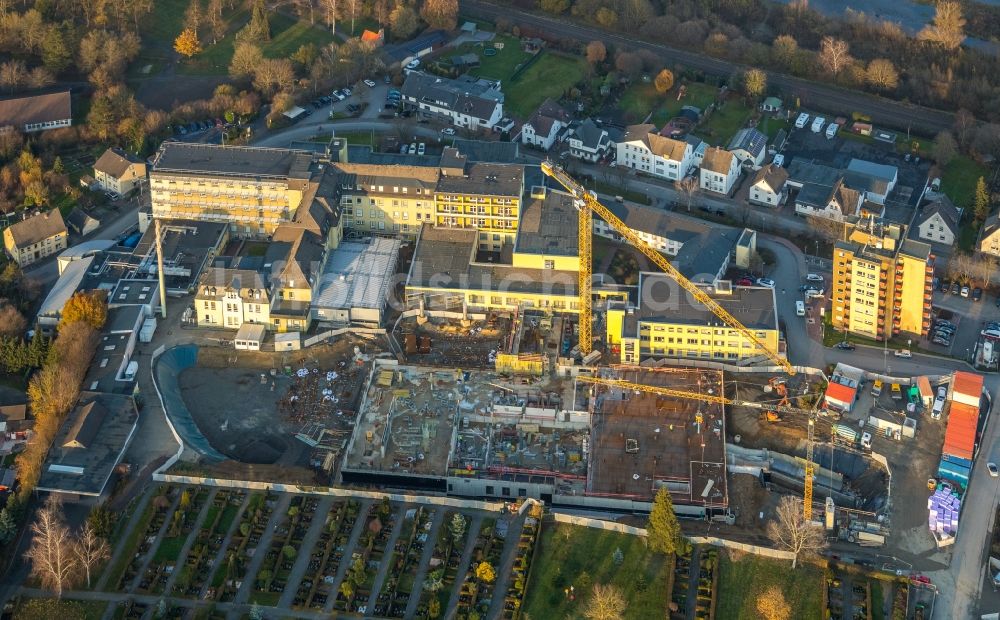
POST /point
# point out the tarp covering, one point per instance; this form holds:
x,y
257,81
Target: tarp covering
x,y
166,371
960,435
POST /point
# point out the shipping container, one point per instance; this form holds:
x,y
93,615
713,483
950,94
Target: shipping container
x,y
846,432
967,387
957,460
955,473
926,393
960,434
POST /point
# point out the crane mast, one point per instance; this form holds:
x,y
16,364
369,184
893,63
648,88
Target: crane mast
x,y
586,201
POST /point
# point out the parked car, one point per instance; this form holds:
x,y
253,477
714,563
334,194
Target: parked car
x,y
818,124
944,342
339,94
801,121
765,282
814,277
831,130
955,288
814,292
945,286
413,148
965,292
902,353
845,346
370,83
977,294
421,148
944,322
942,392
744,282
992,468
347,92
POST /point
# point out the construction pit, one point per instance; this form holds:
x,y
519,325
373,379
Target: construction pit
x,y
294,411
454,343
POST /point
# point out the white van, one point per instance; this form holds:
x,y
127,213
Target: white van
x,y
818,123
800,308
801,121
831,130
938,408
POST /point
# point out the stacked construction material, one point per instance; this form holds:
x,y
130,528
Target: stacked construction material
x,y
944,507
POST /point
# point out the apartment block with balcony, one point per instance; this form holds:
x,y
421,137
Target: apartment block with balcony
x,y
480,196
882,282
253,190
378,199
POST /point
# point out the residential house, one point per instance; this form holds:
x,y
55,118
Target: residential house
x,y
35,237
467,101
881,179
645,150
990,241
836,202
544,126
768,186
938,222
30,113
719,170
119,172
81,223
231,297
772,105
375,39
750,147
588,140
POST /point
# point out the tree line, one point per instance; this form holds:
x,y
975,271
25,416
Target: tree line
x,y
854,50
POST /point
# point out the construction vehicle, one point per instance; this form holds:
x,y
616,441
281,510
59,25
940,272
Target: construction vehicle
x,y
769,416
587,204
777,385
767,409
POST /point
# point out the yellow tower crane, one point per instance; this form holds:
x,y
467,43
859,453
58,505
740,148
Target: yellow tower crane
x,y
807,486
587,203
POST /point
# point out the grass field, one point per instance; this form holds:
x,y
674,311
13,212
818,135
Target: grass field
x,y
580,557
742,582
550,76
169,549
640,99
958,181
45,609
499,67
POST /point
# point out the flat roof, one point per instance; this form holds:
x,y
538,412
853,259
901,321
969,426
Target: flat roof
x,y
251,331
485,179
358,275
663,300
549,225
67,284
445,259
75,469
134,291
239,161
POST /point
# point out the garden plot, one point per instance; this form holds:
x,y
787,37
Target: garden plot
x,y
522,563
218,521
356,588
162,505
233,566
182,523
443,566
476,593
396,591
272,578
329,553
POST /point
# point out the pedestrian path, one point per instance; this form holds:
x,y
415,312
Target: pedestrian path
x,y
277,516
305,551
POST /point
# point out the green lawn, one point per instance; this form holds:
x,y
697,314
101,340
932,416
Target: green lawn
x,y
164,23
549,77
742,582
724,122
770,126
499,67
958,181
47,608
579,556
639,100
352,137
288,34
169,549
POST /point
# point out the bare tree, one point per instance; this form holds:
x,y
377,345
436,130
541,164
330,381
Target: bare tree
x,y
13,73
945,148
606,603
90,550
216,25
834,54
792,532
962,266
52,559
687,188
827,229
12,322
948,29
596,52
882,74
330,9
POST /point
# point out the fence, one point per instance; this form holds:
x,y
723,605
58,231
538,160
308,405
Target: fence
x,y
610,526
180,444
432,500
318,338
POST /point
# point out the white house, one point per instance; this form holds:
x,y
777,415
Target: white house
x,y
836,202
119,172
588,140
719,170
544,126
938,223
647,151
989,243
768,186
466,101
30,113
750,147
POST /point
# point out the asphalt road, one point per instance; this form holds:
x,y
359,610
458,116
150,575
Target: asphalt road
x,y
812,95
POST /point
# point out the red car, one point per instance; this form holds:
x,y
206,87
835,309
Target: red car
x,y
745,282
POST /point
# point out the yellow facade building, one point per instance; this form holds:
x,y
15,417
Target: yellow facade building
x,y
228,298
882,282
479,196
666,322
253,190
